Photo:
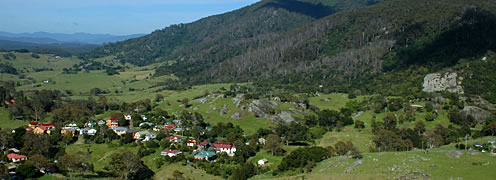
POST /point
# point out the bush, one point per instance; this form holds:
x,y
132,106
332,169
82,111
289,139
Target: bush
x,y
151,144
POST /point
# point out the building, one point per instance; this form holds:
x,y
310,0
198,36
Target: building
x,y
44,128
120,130
222,147
113,123
203,145
92,132
170,153
71,131
262,162
16,157
149,124
127,117
174,139
191,143
101,123
33,124
205,155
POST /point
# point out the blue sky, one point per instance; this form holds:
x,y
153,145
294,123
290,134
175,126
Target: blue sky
x,y
118,17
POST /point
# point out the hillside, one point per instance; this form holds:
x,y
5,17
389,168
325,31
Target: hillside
x,y
211,40
354,46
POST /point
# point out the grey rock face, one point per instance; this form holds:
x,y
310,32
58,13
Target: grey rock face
x,y
450,82
480,115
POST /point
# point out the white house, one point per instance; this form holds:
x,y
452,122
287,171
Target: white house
x,y
92,132
127,117
170,153
228,148
262,162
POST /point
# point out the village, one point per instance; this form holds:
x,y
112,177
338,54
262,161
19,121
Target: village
x,y
177,143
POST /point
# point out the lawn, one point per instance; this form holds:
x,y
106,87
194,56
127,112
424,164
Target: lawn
x,y
7,123
360,139
188,171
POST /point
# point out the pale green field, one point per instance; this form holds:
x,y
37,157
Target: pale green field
x,y
6,122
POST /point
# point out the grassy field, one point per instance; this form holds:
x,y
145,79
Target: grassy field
x,y
6,122
360,139
188,172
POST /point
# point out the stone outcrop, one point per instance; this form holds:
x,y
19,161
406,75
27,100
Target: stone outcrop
x,y
480,115
450,82
235,116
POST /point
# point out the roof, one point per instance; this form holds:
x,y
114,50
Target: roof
x,y
170,126
203,154
132,130
203,143
171,151
34,123
192,140
223,145
44,128
173,137
15,156
48,124
114,120
120,129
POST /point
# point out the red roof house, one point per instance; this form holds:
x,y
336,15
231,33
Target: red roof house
x,y
191,142
225,147
16,157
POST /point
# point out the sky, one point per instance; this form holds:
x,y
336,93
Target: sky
x,y
118,17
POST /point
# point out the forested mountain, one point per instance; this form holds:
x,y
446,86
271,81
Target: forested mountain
x,y
342,45
214,39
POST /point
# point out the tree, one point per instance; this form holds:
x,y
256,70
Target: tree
x,y
389,121
244,171
429,107
273,144
124,165
420,127
70,163
38,161
26,170
4,171
429,116
359,125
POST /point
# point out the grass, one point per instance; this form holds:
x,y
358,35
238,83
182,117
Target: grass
x,y
360,139
188,172
7,123
274,161
336,101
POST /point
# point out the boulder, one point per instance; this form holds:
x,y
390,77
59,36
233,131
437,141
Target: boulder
x,y
450,82
235,116
479,114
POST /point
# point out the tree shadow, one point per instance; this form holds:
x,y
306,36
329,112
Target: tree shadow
x,y
313,10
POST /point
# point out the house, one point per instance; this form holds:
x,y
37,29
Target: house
x,y
158,127
177,122
14,150
92,132
170,153
150,136
120,130
43,129
33,124
178,130
262,162
221,147
146,123
132,132
205,155
113,123
29,129
71,131
101,123
91,124
174,139
261,141
83,131
144,117
127,117
191,143
417,107
16,157
203,145
169,127
71,125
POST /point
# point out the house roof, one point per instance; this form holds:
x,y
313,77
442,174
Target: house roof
x,y
192,140
203,154
171,151
15,156
170,126
48,124
223,145
114,120
203,143
44,128
173,137
34,123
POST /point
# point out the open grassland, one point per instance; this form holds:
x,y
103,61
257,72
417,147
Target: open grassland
x,y
361,139
189,172
7,123
25,62
334,101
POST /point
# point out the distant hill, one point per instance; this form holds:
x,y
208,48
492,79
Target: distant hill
x,y
50,38
60,49
217,38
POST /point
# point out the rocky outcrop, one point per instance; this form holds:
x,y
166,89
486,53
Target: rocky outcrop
x,y
223,110
450,82
237,100
480,115
235,116
262,108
